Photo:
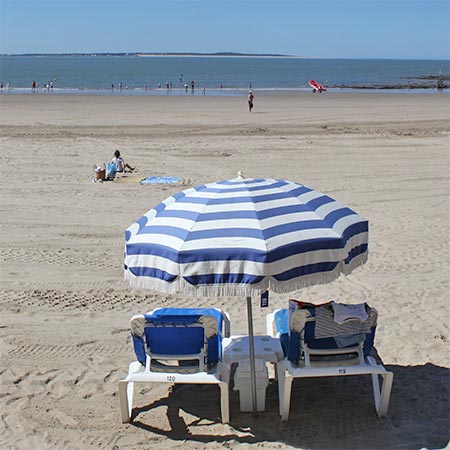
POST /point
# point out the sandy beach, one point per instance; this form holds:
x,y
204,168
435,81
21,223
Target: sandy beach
x,y
65,309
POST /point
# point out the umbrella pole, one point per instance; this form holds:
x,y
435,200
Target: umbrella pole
x,y
251,344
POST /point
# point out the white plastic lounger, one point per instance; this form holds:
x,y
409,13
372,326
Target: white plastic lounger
x,y
307,356
177,345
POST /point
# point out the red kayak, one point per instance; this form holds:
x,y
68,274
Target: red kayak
x,y
317,86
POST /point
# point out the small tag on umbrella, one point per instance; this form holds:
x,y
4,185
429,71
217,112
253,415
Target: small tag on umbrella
x,y
265,299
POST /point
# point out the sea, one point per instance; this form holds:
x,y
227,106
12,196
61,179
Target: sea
x,y
211,75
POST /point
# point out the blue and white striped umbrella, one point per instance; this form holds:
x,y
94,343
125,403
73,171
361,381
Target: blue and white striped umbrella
x,y
243,237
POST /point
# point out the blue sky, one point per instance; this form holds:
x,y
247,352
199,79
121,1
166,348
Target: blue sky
x,y
317,28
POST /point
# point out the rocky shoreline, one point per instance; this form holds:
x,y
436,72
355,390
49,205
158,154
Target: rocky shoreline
x,y
391,86
431,82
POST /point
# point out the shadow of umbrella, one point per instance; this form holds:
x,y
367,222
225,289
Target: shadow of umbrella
x,y
327,413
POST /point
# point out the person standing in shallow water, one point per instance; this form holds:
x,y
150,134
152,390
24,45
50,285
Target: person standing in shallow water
x,y
250,101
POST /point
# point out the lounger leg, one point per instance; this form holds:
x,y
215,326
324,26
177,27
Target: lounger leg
x,y
388,378
382,396
285,396
224,402
376,390
126,400
280,381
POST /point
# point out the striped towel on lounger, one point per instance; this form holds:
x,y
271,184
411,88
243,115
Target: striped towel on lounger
x,y
326,326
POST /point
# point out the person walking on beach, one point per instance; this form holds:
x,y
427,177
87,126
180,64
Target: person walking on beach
x,y
250,101
120,164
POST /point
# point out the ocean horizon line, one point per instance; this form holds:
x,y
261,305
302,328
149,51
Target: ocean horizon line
x,y
217,54
143,54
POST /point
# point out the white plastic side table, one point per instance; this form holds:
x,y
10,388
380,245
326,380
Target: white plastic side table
x,y
236,348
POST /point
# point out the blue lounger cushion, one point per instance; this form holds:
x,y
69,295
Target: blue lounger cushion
x,y
290,340
173,331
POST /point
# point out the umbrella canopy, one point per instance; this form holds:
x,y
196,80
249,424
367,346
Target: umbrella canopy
x,y
243,237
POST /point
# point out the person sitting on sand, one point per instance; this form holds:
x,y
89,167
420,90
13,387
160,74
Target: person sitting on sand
x,y
121,165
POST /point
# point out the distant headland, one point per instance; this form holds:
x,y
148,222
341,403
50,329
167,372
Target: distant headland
x,y
143,54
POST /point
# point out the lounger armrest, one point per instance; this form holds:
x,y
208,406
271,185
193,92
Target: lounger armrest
x,y
226,324
333,351
270,325
177,357
139,348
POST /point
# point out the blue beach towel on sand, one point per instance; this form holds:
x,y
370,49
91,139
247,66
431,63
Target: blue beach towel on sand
x,y
160,180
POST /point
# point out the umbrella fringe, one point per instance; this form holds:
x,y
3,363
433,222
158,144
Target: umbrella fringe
x,y
237,290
